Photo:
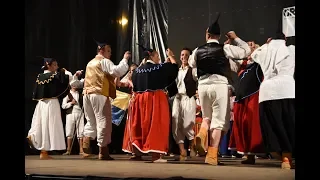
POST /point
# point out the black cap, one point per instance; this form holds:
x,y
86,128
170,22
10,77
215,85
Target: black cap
x,y
45,60
279,33
100,44
214,28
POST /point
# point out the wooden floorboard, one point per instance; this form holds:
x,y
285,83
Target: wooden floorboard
x,y
122,167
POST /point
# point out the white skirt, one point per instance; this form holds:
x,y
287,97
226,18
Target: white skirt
x,y
46,131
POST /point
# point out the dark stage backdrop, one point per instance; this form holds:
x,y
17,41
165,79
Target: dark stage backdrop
x,y
250,19
65,30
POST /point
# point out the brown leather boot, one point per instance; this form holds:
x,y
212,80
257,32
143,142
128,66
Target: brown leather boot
x,y
44,155
86,145
200,140
104,153
212,156
286,161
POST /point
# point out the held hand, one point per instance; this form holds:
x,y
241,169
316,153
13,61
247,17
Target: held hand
x,y
232,35
73,102
168,60
130,84
252,45
78,73
63,70
127,55
228,41
169,52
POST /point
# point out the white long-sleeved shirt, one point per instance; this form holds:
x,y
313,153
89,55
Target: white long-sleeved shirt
x,y
66,105
277,63
76,82
238,51
114,70
180,78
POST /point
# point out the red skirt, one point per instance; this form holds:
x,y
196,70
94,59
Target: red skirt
x,y
126,143
147,127
246,135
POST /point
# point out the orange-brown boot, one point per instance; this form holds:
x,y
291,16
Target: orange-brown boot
x,y
44,155
104,153
286,161
200,140
212,156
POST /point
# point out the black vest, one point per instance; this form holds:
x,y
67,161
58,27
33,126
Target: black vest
x,y
211,60
190,83
80,101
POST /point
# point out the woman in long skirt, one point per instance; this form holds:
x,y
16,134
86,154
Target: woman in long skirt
x,y
149,116
46,132
246,135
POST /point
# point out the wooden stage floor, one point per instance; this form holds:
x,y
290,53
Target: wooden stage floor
x,y
194,168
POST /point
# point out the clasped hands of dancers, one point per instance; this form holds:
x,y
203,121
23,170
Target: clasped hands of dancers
x,y
205,72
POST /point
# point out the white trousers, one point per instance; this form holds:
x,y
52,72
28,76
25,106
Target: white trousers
x,y
97,110
74,120
183,118
215,105
46,128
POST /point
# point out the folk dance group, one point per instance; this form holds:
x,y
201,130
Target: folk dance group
x,y
261,110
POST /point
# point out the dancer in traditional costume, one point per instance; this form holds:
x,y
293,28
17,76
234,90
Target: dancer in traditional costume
x,y
246,135
46,132
277,97
99,87
149,119
213,71
72,103
184,106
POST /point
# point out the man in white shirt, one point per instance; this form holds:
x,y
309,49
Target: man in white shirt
x,y
213,71
277,97
99,87
184,105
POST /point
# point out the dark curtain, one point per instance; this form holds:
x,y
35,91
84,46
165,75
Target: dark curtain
x,y
64,30
148,26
